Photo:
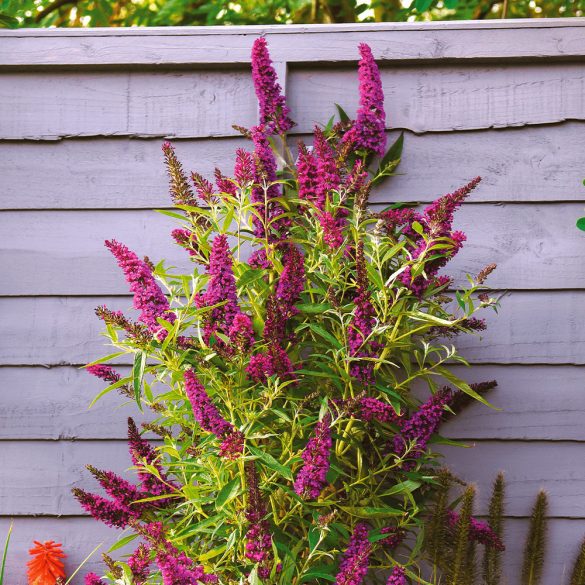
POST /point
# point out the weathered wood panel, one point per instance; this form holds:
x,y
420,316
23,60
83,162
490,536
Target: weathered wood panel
x,y
536,402
40,403
43,473
535,247
528,466
521,164
444,98
195,103
201,103
395,42
530,328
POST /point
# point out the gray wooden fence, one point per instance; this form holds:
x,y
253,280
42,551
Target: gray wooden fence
x,y
82,117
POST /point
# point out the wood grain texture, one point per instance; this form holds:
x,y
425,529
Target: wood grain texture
x,y
535,402
195,103
535,247
516,164
40,403
530,328
43,473
528,467
394,42
443,98
206,103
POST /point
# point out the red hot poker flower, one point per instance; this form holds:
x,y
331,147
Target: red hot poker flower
x,y
46,565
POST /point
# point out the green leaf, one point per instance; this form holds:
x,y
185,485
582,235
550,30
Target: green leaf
x,y
325,335
451,4
271,462
5,553
227,493
7,21
138,375
581,223
122,542
417,227
462,385
342,114
313,308
316,575
422,5
394,153
371,512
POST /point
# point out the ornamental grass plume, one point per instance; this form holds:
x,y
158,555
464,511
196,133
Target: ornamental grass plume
x,y
295,373
45,567
535,548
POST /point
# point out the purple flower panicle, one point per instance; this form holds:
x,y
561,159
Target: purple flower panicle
x,y
175,566
209,419
121,491
142,453
422,425
354,564
328,173
397,577
265,190
362,324
221,288
478,531
139,563
371,409
272,103
258,537
308,176
111,513
395,537
244,168
148,296
368,132
312,477
105,373
93,579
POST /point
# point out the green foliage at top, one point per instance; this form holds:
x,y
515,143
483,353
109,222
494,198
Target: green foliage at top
x,y
42,13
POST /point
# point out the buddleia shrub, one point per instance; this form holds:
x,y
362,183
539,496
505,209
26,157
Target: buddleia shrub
x,y
281,369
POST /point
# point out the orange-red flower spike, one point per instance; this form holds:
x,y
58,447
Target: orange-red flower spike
x,y
46,565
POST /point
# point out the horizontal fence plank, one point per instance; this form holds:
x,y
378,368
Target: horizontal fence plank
x,y
528,467
41,403
535,402
530,328
79,537
444,98
191,104
521,164
42,473
195,103
535,246
393,42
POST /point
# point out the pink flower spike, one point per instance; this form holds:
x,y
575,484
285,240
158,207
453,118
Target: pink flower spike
x,y
272,103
